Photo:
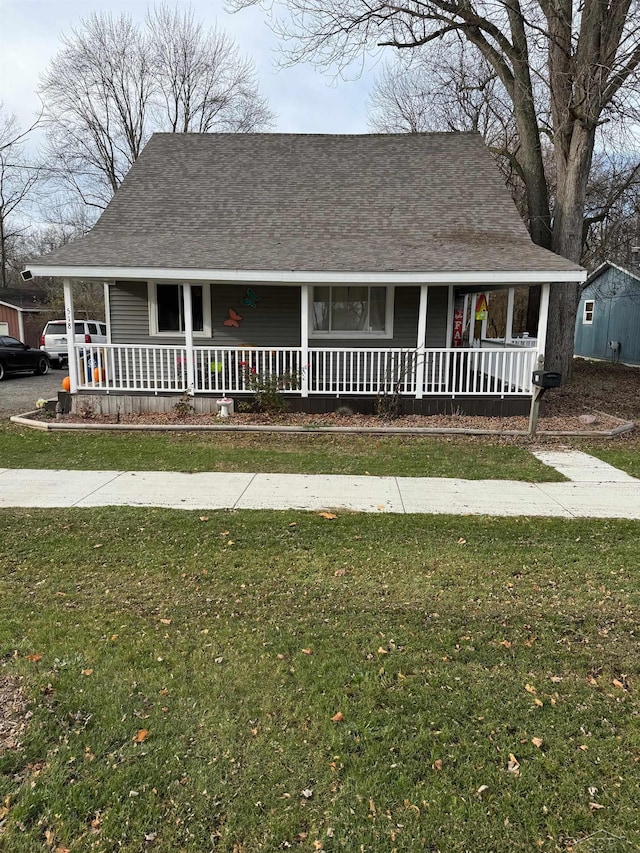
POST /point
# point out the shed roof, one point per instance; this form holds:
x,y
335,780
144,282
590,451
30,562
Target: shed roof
x,y
379,203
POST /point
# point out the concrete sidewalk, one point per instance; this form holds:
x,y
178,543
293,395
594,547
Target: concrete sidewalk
x,y
595,490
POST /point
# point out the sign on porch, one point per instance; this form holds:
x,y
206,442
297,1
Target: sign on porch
x,y
481,307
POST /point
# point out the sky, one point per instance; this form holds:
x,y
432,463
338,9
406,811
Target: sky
x,y
304,100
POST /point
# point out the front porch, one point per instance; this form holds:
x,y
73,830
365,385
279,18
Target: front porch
x,y
453,372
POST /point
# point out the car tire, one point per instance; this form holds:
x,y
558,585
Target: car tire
x,y
42,366
1,371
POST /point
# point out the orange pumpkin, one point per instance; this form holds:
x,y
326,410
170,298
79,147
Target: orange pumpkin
x,y
99,375
66,384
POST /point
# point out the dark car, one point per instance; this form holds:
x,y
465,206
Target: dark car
x,y
16,357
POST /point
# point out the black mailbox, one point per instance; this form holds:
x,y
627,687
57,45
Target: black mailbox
x,y
547,379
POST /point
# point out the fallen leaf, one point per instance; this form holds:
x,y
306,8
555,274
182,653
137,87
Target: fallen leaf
x,y
619,684
34,658
339,573
141,735
307,651
329,515
293,524
595,806
317,845
307,793
204,518
87,672
437,764
482,789
513,765
506,644
49,837
592,680
538,702
166,621
462,541
338,718
382,651
530,688
583,747
372,807
537,741
61,849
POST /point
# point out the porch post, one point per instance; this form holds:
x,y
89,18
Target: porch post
x,y
421,342
304,340
508,332
472,319
188,337
483,327
543,319
70,321
450,310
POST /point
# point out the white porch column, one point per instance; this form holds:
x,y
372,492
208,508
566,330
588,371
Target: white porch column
x,y
483,328
450,311
508,332
107,310
543,319
20,325
188,337
70,321
472,319
421,342
304,340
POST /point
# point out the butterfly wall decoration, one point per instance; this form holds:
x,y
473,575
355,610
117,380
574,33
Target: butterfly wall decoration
x,y
233,319
251,299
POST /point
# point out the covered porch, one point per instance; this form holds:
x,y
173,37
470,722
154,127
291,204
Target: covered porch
x,y
470,368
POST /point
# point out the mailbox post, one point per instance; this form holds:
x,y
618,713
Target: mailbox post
x,y
541,379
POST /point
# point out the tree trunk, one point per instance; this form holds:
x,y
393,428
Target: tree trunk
x,y
573,167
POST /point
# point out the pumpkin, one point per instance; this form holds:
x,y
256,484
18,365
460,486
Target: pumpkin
x,y
99,375
66,384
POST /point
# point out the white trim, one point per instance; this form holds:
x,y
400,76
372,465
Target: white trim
x,y
152,302
107,310
508,331
421,341
484,277
389,316
543,320
70,322
450,313
304,339
586,311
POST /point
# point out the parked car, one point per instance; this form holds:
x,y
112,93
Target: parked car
x,y
53,339
16,357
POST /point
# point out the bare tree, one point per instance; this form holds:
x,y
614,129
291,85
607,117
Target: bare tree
x,y
114,83
584,53
202,83
18,180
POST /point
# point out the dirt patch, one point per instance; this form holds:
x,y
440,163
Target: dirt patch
x,y
14,715
597,386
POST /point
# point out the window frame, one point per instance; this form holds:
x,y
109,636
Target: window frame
x,y
387,334
152,299
587,313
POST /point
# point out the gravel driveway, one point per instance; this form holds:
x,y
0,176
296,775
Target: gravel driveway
x,y
19,391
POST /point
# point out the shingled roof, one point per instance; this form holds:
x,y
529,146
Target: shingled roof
x,y
378,203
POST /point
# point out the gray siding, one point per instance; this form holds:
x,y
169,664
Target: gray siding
x,y
275,321
616,317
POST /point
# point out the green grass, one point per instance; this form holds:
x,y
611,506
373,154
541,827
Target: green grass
x,y
433,637
625,456
304,454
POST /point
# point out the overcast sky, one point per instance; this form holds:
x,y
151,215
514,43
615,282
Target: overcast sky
x,y
304,100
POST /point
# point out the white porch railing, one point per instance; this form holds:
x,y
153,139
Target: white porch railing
x,y
500,371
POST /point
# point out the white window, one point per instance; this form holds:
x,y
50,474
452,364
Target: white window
x,y
166,310
587,313
359,311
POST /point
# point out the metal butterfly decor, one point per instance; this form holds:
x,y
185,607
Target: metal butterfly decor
x,y
233,319
251,299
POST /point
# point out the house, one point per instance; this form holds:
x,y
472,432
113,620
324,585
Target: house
x,y
338,263
23,313
608,318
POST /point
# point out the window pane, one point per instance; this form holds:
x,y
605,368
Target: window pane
x,y
377,308
169,299
79,327
321,308
197,308
93,329
349,309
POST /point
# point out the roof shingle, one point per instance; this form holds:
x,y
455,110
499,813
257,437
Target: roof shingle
x,y
376,203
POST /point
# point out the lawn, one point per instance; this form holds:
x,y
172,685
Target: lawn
x,y
245,681
409,456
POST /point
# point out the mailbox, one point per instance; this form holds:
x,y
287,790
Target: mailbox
x,y
547,379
